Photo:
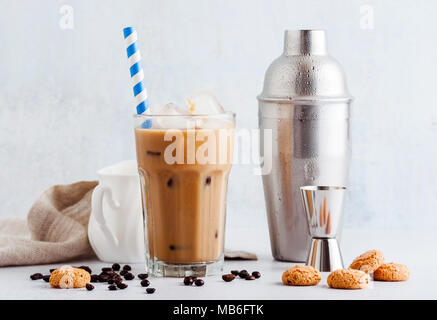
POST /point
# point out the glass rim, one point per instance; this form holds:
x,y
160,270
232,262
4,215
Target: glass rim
x,y
225,114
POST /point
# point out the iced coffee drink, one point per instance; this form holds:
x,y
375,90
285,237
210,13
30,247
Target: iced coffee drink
x,y
184,160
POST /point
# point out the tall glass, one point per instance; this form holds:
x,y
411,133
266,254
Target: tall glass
x,y
184,174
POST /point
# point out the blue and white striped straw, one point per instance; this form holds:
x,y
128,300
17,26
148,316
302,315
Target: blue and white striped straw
x,y
136,69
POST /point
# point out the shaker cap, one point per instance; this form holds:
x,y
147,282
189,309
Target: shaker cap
x,y
305,71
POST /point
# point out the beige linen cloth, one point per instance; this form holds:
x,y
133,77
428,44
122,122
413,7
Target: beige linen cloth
x,y
56,229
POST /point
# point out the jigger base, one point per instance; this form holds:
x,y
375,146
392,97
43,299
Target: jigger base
x,y
325,255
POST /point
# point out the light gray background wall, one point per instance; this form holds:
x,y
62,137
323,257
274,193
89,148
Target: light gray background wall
x,y
66,102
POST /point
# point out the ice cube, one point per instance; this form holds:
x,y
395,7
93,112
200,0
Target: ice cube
x,y
170,109
203,103
168,121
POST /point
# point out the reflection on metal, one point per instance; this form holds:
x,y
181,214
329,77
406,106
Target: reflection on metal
x,y
324,225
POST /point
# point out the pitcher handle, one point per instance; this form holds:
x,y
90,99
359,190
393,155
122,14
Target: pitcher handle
x,y
97,210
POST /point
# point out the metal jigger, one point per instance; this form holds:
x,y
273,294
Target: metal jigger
x,y
324,209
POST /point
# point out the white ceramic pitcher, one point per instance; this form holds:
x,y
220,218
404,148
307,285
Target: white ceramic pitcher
x,y
115,228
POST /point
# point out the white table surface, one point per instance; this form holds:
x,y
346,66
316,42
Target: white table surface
x,y
414,248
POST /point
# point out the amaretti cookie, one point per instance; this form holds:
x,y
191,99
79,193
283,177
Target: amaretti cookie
x,y
392,272
368,262
348,279
68,277
301,276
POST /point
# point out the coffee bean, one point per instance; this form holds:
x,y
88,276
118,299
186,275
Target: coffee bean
x,y
250,278
199,282
111,281
103,278
89,286
121,285
129,276
46,278
116,267
107,270
94,278
112,287
145,283
107,273
153,153
235,272
86,268
150,290
116,277
170,182
188,281
143,276
51,270
208,181
123,272
243,274
36,276
228,277
127,267
256,274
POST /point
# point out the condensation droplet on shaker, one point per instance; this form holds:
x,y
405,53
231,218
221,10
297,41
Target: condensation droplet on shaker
x,y
311,170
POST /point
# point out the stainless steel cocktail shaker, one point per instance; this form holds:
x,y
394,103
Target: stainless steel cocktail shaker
x,y
306,104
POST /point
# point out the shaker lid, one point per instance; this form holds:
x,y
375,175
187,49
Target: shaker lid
x,y
305,71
